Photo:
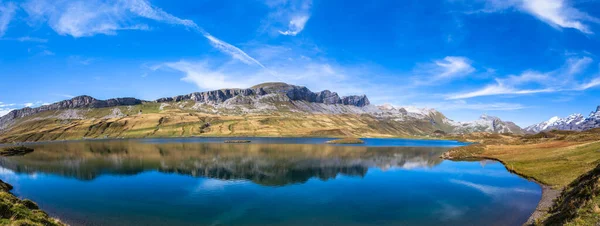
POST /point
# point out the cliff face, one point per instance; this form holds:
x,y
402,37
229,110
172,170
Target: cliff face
x,y
294,93
76,102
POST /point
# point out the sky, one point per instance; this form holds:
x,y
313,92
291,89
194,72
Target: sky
x,y
521,60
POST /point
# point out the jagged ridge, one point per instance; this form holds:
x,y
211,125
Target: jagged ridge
x,y
573,122
76,102
293,92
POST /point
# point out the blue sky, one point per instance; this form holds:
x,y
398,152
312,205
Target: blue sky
x,y
522,60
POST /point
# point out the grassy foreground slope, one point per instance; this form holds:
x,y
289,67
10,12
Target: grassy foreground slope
x,y
148,121
14,211
560,159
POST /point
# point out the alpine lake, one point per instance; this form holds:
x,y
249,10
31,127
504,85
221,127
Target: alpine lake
x,y
270,181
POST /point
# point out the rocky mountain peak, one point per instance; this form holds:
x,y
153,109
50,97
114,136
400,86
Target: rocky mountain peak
x,y
487,117
292,92
83,101
575,122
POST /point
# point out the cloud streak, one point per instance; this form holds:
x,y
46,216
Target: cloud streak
x,y
443,70
7,12
556,13
292,14
88,18
296,25
532,82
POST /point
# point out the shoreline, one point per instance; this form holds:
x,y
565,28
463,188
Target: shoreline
x,y
549,194
215,137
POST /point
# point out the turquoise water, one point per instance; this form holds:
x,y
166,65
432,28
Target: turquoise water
x,y
272,181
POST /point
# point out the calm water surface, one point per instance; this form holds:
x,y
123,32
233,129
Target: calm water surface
x,y
272,181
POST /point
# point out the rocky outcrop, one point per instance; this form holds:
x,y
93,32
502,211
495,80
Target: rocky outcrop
x,y
76,102
294,93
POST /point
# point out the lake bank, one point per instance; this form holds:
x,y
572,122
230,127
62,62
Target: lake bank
x,y
552,162
17,211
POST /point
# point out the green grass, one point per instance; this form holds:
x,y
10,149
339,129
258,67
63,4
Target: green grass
x,y
14,211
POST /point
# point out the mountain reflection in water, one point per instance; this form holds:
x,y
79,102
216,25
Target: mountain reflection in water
x,y
264,164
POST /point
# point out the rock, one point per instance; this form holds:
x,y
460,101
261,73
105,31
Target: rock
x,y
30,204
346,141
12,151
237,141
359,101
5,187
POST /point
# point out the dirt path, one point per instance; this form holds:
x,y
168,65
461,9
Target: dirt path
x,y
548,196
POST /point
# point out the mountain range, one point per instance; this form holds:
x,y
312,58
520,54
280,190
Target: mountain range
x,y
573,122
268,109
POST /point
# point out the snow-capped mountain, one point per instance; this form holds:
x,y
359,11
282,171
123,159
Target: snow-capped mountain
x,y
574,122
487,123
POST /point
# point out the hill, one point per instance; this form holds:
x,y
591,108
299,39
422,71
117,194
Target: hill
x,y
268,109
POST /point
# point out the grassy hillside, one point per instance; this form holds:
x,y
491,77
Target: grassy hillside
x,y
14,211
153,120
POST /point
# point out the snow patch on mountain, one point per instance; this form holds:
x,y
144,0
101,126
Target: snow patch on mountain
x,y
575,122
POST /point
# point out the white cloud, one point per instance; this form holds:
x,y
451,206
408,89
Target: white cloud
x,y
464,105
290,17
31,39
296,25
235,52
496,89
89,18
556,13
83,18
531,82
206,77
593,83
63,95
449,68
5,108
454,67
28,105
7,12
210,74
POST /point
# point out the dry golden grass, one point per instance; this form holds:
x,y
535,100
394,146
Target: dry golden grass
x,y
554,163
174,123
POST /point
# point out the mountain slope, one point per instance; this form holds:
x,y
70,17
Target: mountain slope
x,y
573,122
269,109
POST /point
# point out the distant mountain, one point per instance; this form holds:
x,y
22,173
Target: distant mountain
x,y
487,123
573,122
268,109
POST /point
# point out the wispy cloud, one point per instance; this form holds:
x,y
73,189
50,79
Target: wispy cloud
x,y
492,190
465,105
206,77
531,82
63,95
89,18
296,25
289,17
287,66
449,68
27,39
235,52
556,13
7,12
6,108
